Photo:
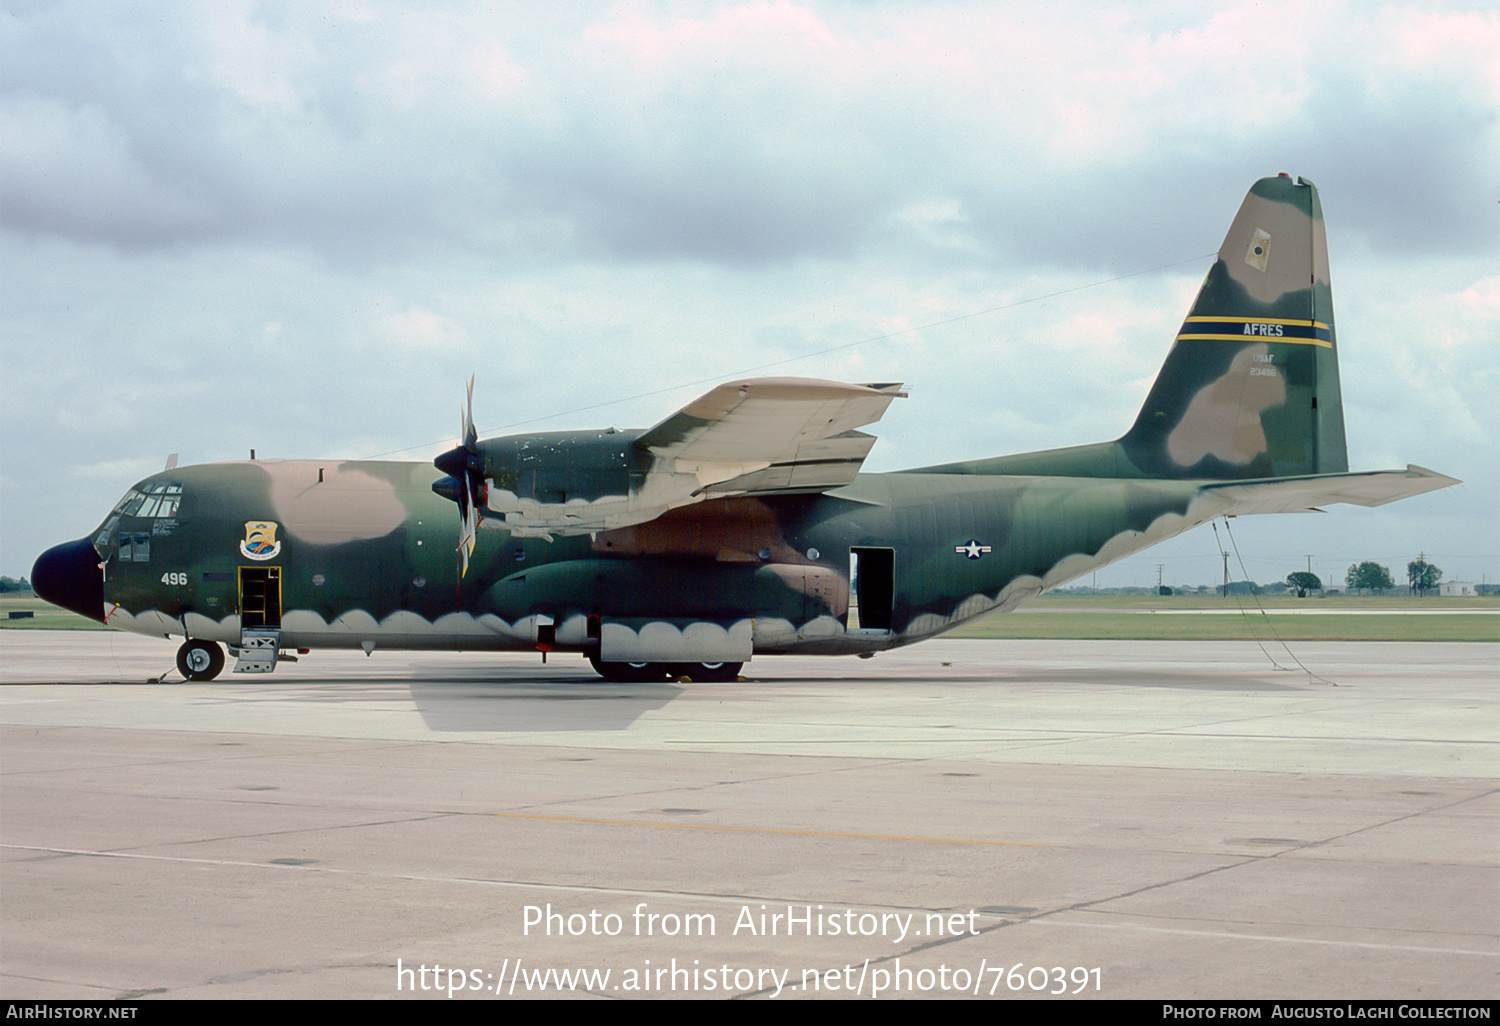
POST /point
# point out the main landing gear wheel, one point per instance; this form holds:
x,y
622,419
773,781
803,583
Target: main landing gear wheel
x,y
200,660
629,673
651,673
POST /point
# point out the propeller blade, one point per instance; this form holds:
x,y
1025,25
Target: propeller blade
x,y
465,484
467,536
471,437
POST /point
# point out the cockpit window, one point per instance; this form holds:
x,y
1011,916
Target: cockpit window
x,y
101,543
158,500
161,500
154,500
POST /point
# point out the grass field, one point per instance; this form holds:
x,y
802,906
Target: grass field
x,y
1212,618
44,615
1235,627
1128,617
1232,604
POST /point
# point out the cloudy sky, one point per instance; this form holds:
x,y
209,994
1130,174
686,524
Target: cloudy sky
x,y
299,227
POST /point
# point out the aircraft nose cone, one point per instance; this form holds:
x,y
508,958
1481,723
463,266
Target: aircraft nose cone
x,y
68,575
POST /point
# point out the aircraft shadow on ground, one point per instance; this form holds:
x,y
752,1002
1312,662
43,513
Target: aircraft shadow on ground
x,y
582,704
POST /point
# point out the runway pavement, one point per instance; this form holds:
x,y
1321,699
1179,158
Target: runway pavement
x,y
963,818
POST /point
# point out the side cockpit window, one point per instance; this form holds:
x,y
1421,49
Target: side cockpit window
x,y
106,533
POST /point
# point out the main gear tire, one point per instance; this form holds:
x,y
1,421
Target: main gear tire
x,y
629,673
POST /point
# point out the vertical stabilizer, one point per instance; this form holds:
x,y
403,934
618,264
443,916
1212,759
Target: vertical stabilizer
x,y
1250,388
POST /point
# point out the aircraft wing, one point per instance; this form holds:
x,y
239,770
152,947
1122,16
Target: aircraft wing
x,y
1303,494
757,436
771,435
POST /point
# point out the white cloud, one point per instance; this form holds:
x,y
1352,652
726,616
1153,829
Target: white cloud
x,y
365,203
73,171
415,331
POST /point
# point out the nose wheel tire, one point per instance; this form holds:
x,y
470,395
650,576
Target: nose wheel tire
x,y
200,660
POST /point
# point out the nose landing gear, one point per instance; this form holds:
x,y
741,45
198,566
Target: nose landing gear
x,y
200,660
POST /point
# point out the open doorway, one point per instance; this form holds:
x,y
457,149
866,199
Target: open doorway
x,y
260,598
872,588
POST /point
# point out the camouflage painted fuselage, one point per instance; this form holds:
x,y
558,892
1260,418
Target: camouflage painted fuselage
x,y
365,557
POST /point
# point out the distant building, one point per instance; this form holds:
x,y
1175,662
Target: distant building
x,y
1457,589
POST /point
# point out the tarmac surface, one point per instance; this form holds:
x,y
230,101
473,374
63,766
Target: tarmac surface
x,y
962,818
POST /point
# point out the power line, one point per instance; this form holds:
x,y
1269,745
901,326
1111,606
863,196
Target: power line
x,y
716,379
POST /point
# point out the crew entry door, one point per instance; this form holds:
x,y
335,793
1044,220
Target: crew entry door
x,y
872,588
260,619
260,597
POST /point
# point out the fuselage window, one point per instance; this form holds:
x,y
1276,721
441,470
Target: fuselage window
x,y
135,547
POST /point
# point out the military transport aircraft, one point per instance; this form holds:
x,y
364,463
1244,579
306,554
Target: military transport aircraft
x,y
740,525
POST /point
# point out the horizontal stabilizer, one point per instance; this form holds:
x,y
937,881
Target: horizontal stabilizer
x,y
1301,494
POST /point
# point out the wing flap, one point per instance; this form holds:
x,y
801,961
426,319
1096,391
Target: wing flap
x,y
817,466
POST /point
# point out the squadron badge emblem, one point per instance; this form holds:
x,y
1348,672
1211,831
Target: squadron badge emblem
x,y
260,541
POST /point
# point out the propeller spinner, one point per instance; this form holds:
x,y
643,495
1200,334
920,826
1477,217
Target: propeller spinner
x,y
465,482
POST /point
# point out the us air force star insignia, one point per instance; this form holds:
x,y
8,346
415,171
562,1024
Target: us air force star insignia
x,y
973,550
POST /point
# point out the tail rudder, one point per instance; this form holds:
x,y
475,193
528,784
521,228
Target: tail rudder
x,y
1250,388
